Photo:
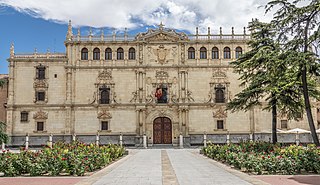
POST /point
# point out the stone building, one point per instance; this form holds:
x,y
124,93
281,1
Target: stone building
x,y
3,97
161,83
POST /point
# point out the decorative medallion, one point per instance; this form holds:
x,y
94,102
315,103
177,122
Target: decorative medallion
x,y
40,115
219,76
221,113
219,73
105,77
162,75
40,83
104,114
161,53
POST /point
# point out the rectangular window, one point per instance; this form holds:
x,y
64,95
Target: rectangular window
x,y
219,92
104,125
104,95
24,116
40,126
41,73
40,96
220,124
284,124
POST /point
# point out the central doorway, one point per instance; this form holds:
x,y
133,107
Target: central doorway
x,y
162,131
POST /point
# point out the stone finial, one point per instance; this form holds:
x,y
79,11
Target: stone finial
x,y
12,50
208,30
102,32
220,30
90,31
78,32
35,51
197,30
113,31
161,26
232,30
125,31
69,33
244,30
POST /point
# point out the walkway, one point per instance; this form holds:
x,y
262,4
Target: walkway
x,y
167,167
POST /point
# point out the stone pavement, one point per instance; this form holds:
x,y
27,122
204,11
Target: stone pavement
x,y
168,167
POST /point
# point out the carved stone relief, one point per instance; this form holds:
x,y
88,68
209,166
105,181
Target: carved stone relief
x,y
104,114
40,115
220,113
40,84
161,54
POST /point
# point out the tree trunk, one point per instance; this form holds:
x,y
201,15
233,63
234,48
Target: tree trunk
x,y
308,107
274,120
305,89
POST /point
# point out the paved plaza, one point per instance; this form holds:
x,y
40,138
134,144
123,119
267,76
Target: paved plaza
x,y
168,167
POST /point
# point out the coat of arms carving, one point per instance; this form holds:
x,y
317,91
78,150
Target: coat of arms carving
x,y
104,114
221,113
161,53
40,115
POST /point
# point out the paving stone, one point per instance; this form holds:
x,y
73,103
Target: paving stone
x,y
166,167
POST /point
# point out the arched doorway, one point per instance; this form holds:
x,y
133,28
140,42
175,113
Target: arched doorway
x,y
162,131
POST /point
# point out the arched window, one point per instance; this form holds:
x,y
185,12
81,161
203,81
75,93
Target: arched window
x,y
226,53
215,53
120,54
108,54
84,54
191,53
238,52
132,54
219,92
104,95
96,54
203,53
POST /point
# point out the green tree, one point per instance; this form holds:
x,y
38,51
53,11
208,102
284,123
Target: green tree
x,y
265,76
298,26
2,82
3,135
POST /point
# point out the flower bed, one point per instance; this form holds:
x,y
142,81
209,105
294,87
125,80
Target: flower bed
x,y
266,158
63,159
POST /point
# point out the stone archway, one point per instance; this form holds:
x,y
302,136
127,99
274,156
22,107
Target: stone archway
x,y
162,131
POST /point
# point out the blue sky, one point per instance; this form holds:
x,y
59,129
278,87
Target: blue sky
x,y
42,24
28,33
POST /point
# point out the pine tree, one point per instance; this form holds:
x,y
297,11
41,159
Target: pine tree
x,y
266,77
298,26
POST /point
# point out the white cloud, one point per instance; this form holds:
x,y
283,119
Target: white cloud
x,y
179,14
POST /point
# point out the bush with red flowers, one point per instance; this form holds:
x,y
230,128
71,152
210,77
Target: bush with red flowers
x,y
267,158
63,159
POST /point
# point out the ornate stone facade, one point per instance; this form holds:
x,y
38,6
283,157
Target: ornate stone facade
x,y
124,83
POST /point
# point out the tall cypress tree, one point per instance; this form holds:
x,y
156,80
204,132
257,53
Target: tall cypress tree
x,y
298,27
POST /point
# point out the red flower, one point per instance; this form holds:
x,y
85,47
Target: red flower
x,y
63,158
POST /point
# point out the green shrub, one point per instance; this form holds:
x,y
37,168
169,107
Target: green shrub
x,y
64,158
266,158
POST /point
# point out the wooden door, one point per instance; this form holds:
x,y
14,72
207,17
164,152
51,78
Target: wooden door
x,y
162,131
